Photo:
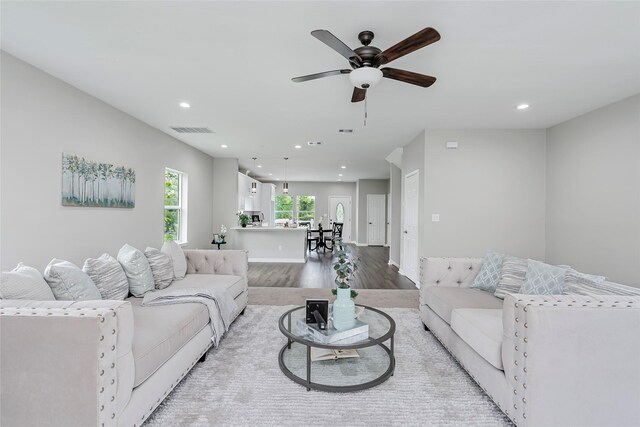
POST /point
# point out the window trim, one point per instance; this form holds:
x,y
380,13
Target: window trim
x,y
183,190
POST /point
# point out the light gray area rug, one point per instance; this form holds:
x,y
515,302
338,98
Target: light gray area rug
x,y
241,384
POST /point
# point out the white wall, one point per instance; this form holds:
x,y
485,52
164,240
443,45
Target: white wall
x,y
593,192
489,193
365,187
42,117
322,191
225,198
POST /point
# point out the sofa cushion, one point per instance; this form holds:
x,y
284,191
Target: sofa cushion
x,y
176,253
234,284
69,283
543,279
108,276
137,269
24,282
160,331
442,300
482,330
489,274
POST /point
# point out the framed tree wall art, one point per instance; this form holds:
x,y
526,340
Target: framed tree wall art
x,y
93,184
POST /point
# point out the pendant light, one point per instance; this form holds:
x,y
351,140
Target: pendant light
x,y
254,184
285,185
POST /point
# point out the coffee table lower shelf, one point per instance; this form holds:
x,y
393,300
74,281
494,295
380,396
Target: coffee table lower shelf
x,y
341,375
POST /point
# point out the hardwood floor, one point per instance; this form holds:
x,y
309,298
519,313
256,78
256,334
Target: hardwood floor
x,y
317,272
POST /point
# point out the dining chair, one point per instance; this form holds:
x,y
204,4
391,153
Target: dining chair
x,y
335,232
310,239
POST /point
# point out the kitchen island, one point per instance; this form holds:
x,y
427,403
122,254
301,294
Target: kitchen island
x,y
273,244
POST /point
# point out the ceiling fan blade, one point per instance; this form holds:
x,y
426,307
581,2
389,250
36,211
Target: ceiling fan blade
x,y
358,94
319,75
336,44
410,44
408,77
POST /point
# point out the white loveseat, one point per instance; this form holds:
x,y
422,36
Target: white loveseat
x,y
103,363
560,360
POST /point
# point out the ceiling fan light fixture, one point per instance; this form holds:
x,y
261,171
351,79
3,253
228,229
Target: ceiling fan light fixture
x,y
365,77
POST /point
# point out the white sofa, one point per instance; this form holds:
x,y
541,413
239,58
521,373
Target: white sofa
x,y
104,363
562,360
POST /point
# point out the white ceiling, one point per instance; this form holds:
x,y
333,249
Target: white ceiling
x,y
233,61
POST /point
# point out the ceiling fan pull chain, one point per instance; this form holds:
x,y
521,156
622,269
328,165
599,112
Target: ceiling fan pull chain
x,y
365,110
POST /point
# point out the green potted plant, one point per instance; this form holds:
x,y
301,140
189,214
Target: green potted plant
x,y
344,313
244,219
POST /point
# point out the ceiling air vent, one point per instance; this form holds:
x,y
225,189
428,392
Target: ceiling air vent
x,y
345,130
313,143
191,130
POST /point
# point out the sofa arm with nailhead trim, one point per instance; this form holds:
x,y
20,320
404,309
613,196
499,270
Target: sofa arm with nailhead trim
x,y
65,363
572,360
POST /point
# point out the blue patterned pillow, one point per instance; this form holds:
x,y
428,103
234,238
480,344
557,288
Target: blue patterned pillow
x,y
543,279
489,275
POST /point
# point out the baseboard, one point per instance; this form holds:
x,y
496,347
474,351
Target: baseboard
x,y
395,264
290,260
404,273
361,244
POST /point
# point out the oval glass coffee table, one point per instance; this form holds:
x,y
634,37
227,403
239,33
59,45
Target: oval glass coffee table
x,y
374,365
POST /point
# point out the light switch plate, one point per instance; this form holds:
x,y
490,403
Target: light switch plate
x,y
435,217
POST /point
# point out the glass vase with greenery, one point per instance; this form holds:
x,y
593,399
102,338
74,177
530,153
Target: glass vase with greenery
x,y
345,267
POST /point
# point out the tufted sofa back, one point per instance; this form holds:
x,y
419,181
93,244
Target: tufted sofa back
x,y
451,272
231,262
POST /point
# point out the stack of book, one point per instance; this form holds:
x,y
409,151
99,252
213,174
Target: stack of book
x,y
331,335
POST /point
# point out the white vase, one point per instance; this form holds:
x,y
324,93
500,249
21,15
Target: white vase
x,y
344,310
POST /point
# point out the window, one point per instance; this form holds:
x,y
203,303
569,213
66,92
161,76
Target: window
x,y
340,213
175,206
284,208
306,208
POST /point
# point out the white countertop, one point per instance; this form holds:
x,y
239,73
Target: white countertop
x,y
248,228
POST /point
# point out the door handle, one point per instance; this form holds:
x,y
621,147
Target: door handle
x,y
370,223
405,232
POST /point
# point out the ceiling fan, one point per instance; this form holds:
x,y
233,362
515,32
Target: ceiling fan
x,y
366,60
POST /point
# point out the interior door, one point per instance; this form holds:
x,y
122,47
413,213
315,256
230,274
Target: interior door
x,y
376,223
409,256
340,211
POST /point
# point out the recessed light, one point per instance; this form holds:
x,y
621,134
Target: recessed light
x,y
270,174
339,179
297,146
523,106
185,105
259,166
339,174
343,167
277,179
224,146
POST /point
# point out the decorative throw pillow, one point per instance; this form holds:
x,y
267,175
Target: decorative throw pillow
x,y
174,250
489,274
69,283
108,276
514,271
543,279
24,282
137,269
161,267
577,283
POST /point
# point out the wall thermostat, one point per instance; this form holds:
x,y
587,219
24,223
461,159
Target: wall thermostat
x,y
452,145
